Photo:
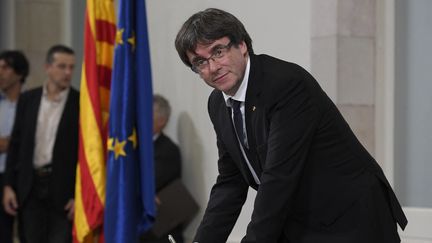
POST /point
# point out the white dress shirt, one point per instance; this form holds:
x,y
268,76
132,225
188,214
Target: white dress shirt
x,y
240,95
50,113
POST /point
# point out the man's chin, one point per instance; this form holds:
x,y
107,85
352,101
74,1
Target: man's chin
x,y
66,85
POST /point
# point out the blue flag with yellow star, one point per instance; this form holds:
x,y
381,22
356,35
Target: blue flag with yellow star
x,y
130,192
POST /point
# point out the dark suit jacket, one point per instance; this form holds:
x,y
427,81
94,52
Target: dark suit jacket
x,y
311,166
167,161
19,172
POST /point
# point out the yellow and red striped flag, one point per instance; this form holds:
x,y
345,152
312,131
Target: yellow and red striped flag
x,y
99,40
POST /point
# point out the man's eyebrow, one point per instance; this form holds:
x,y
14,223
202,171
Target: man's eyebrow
x,y
216,47
197,58
213,49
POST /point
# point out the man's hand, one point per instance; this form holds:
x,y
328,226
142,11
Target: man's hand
x,y
10,203
4,144
70,208
157,201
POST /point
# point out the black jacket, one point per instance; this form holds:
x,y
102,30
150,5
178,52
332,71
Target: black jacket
x,y
19,171
311,166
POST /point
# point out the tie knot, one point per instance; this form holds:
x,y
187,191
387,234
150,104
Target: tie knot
x,y
235,103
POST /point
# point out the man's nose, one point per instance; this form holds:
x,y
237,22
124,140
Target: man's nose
x,y
69,71
213,65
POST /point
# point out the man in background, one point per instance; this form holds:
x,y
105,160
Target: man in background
x,y
167,160
42,155
14,69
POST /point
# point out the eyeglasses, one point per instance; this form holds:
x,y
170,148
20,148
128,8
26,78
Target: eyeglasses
x,y
201,63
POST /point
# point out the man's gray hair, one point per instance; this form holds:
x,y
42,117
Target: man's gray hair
x,y
161,106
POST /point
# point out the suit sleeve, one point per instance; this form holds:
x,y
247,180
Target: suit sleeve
x,y
226,198
293,119
168,165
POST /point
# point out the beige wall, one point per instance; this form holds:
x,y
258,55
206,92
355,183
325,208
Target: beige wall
x,y
38,25
343,58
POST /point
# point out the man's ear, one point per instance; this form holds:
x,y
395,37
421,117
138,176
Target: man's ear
x,y
243,47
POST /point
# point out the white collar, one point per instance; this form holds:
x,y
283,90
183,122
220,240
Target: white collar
x,y
240,95
57,98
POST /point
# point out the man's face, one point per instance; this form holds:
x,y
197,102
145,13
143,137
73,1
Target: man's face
x,y
225,73
60,70
159,121
8,76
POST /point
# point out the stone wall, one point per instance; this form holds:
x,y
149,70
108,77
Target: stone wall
x,y
343,58
39,24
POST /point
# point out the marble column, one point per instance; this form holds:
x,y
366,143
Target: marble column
x,y
39,24
343,60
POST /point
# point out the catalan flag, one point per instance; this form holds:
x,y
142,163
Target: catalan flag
x,y
130,198
99,40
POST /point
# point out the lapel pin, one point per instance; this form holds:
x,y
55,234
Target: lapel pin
x,y
253,108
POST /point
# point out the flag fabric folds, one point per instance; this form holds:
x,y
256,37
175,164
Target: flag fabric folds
x,y
130,198
99,40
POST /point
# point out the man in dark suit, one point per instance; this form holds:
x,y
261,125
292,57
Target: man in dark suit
x,y
167,160
42,155
279,133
